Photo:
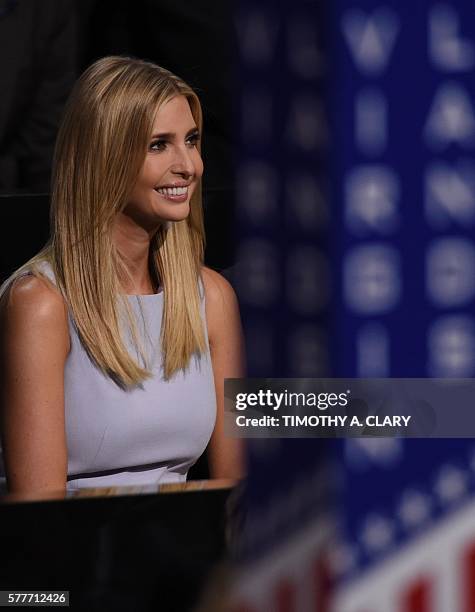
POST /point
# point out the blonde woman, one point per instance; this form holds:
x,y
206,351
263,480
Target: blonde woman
x,y
115,339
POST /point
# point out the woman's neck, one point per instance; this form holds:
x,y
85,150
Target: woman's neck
x,y
133,244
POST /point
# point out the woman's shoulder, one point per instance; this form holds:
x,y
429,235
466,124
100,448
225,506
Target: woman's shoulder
x,y
217,288
222,309
35,291
33,305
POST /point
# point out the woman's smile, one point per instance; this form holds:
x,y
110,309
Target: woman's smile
x,y
173,193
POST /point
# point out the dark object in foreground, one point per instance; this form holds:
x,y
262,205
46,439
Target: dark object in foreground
x,y
127,552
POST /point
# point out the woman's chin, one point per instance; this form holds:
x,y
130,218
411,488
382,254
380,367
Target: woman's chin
x,y
176,212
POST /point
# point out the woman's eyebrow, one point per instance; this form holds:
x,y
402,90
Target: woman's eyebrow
x,y
170,135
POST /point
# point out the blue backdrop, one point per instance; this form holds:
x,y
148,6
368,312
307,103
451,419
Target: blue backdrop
x,y
357,240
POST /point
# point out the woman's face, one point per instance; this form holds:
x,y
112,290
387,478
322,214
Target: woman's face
x,y
171,170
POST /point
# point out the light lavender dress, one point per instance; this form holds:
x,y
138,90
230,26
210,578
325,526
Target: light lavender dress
x,y
148,435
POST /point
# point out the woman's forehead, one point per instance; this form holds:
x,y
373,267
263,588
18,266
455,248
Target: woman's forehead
x,y
174,113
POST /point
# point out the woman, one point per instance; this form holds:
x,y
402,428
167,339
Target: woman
x,y
115,339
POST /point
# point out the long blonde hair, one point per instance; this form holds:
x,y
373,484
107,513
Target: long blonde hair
x,y
100,149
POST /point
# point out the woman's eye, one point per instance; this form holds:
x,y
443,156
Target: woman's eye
x,y
158,145
193,139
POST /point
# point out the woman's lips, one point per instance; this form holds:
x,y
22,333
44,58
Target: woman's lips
x,y
173,194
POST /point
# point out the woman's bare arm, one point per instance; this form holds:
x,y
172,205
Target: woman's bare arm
x,y
34,344
226,457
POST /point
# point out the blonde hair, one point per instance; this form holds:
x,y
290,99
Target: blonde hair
x,y
100,149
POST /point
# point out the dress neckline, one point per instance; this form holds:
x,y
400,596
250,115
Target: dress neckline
x,y
145,295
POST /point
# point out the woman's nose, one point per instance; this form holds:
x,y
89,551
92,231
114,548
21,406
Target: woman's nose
x,y
183,163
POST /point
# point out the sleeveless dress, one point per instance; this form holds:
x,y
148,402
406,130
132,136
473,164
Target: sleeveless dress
x,y
150,434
